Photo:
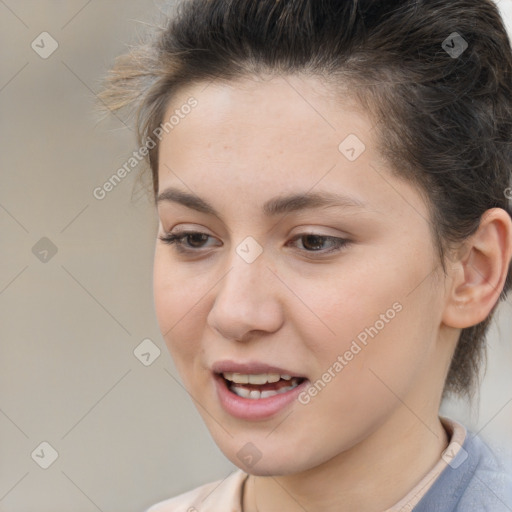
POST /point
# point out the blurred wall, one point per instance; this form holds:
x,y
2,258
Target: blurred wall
x,y
85,424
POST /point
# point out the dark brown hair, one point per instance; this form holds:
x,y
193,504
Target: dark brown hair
x,y
443,110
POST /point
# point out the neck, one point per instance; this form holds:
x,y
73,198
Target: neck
x,y
369,477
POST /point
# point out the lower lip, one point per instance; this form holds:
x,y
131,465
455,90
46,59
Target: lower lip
x,y
255,409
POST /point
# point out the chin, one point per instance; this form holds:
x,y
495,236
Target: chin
x,y
269,461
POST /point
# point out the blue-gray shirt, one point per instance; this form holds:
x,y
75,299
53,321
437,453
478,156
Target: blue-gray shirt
x,y
474,481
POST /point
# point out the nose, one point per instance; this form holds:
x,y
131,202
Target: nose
x,y
247,301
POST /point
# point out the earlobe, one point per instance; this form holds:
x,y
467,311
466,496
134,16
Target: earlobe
x,y
479,275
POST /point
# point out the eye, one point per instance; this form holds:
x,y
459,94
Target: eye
x,y
310,241
178,240
189,242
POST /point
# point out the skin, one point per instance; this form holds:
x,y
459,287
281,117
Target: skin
x,y
373,432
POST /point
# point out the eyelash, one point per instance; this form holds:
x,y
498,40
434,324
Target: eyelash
x,y
177,240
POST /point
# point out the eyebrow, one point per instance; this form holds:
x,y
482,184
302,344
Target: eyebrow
x,y
274,206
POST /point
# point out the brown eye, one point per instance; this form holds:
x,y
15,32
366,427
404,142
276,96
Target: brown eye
x,y
314,243
194,240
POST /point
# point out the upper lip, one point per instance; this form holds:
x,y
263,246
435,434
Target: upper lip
x,y
251,368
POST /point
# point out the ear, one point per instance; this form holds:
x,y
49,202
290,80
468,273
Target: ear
x,y
479,271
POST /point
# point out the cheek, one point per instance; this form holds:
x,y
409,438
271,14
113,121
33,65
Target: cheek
x,y
177,307
165,294
350,301
377,316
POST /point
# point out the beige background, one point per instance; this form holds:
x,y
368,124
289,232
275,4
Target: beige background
x,y
127,435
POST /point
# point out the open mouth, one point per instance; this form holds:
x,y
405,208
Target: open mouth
x,y
258,386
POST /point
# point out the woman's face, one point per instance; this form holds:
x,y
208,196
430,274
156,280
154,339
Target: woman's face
x,y
342,292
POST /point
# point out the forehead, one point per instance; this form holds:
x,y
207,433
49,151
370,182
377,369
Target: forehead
x,y
249,140
281,121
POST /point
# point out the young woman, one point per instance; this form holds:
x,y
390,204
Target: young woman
x,y
332,183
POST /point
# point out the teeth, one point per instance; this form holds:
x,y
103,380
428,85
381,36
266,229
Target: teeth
x,y
264,378
237,377
260,378
254,394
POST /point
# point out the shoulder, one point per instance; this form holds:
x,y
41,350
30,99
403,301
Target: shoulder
x,y
475,479
225,493
489,486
